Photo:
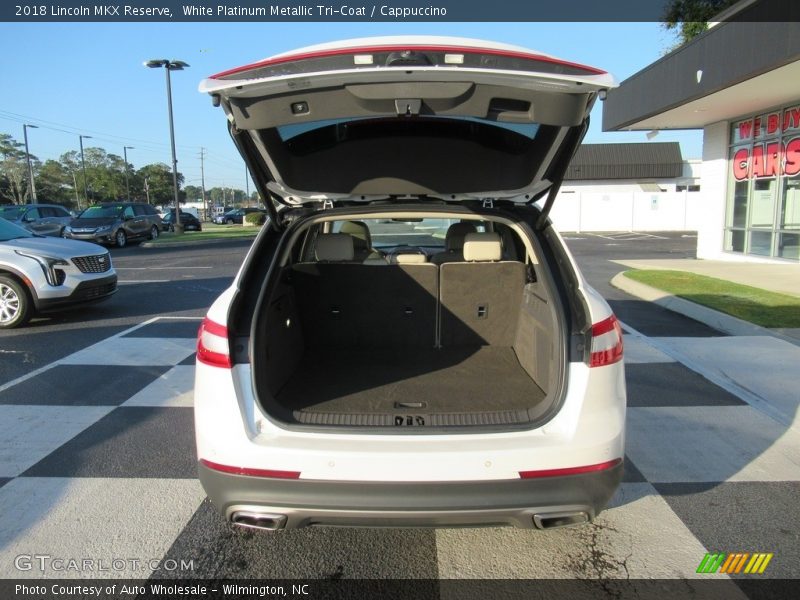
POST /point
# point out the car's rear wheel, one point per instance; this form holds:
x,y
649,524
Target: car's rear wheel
x,y
229,221
153,232
121,238
15,303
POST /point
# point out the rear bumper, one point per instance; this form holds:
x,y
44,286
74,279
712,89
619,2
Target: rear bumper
x,y
403,504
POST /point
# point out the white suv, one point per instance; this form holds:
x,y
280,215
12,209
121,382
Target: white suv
x,y
409,341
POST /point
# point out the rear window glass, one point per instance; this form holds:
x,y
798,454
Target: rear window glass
x,y
287,132
393,233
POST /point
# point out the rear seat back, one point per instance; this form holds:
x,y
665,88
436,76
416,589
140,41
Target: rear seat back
x,y
351,304
480,298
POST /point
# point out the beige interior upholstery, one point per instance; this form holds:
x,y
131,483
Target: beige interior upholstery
x,y
334,247
453,243
360,233
411,259
482,247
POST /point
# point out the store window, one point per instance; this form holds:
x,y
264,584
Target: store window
x,y
763,206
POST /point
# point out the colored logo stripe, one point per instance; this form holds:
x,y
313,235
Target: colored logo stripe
x,y
735,562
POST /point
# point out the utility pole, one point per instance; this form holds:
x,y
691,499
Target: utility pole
x,y
247,184
203,182
31,183
147,189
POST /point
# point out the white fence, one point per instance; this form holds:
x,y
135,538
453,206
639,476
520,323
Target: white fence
x,y
627,211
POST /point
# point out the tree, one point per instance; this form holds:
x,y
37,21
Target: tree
x,y
55,183
13,170
159,182
690,17
194,193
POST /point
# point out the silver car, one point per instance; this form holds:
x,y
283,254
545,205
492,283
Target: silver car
x,y
44,219
39,274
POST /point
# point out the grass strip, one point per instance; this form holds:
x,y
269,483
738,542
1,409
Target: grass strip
x,y
762,307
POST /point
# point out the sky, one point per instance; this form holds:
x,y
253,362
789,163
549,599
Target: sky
x,y
88,78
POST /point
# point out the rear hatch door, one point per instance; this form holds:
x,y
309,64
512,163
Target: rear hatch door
x,y
428,118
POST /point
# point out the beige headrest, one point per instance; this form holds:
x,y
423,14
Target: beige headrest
x,y
335,247
411,259
482,246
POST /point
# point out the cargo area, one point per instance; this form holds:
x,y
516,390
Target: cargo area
x,y
406,343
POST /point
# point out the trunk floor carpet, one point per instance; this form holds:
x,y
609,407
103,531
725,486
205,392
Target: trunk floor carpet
x,y
453,380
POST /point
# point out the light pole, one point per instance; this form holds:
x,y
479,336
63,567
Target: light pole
x,y
171,65
83,167
125,153
30,167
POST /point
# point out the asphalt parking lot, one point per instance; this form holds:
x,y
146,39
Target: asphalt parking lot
x,y
96,439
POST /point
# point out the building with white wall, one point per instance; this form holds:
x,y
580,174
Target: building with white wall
x,y
740,83
629,187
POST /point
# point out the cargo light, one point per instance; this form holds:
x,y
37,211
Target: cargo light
x,y
212,345
606,343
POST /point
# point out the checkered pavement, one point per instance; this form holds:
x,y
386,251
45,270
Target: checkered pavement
x,y
97,461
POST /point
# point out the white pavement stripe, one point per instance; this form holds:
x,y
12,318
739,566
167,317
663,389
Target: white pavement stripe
x,y
130,281
29,433
173,388
709,444
638,351
94,519
723,380
41,370
134,351
763,365
610,548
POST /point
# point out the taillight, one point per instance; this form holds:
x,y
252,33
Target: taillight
x,y
212,345
606,343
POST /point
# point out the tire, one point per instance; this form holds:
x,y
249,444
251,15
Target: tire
x,y
229,221
121,238
172,228
16,307
153,233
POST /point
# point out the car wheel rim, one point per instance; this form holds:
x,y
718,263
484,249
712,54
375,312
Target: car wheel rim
x,y
9,304
154,232
121,238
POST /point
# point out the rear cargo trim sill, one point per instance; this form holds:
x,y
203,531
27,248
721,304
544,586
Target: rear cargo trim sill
x,y
509,417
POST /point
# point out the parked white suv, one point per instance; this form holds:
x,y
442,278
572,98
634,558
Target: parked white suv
x,y
44,274
409,342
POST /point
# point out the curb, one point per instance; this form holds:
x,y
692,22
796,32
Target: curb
x,y
195,242
709,316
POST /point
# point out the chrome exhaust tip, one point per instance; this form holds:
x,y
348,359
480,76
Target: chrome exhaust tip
x,y
560,519
256,520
